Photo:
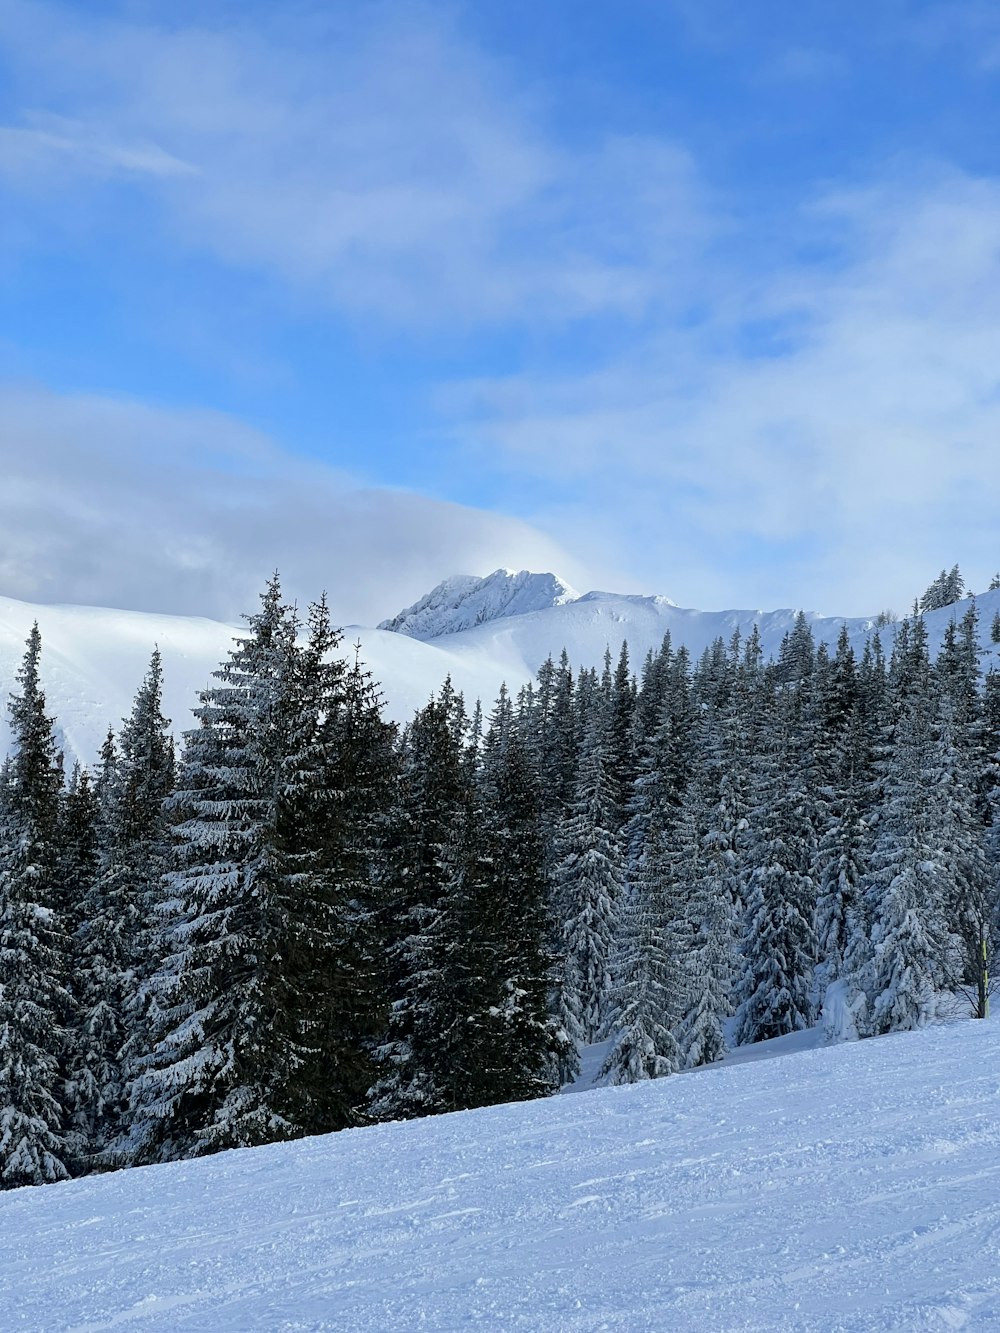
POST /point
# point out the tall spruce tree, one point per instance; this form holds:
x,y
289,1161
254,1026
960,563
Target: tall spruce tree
x,y
587,895
501,1043
267,994
81,837
335,797
35,1006
898,963
649,996
432,798
778,943
121,944
713,827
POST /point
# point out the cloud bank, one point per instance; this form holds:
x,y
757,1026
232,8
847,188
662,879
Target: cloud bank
x,y
109,502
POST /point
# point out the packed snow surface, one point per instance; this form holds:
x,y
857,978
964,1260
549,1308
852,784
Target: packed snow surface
x,y
481,632
847,1188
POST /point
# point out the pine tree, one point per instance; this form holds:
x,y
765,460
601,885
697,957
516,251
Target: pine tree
x,y
588,892
501,1043
121,946
433,795
80,847
270,995
649,994
704,933
619,757
957,841
903,959
716,817
218,1061
34,1003
779,946
842,857
947,588
844,774
336,793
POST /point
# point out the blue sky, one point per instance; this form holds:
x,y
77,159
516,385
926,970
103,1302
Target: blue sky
x,y
685,296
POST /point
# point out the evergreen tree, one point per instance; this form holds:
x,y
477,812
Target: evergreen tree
x,y
843,769
842,857
80,846
947,588
779,948
957,841
717,817
34,1003
501,1043
903,960
121,945
334,805
588,891
649,995
268,995
619,756
432,798
704,955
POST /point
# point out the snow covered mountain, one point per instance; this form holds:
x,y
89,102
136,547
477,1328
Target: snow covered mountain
x,y
464,601
480,631
848,1188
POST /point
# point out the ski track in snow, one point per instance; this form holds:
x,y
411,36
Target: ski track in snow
x,y
847,1188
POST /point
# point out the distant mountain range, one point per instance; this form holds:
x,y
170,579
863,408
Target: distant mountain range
x,y
480,631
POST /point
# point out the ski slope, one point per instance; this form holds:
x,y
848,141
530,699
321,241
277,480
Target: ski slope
x,y
481,632
847,1188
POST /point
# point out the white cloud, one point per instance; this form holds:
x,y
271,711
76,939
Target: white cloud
x,y
378,161
824,434
111,502
840,462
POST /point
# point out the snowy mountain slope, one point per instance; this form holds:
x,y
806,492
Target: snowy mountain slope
x,y
848,1188
520,637
463,601
93,659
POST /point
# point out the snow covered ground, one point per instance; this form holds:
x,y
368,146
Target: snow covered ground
x,y
481,632
844,1188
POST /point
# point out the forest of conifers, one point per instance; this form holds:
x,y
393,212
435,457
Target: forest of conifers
x,y
302,920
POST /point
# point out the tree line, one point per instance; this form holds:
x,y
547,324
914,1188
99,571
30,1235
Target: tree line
x,y
305,919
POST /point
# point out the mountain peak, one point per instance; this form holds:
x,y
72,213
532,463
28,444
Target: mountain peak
x,y
462,601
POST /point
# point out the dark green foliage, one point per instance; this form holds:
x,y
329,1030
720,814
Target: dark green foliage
x,y
270,994
35,1006
313,923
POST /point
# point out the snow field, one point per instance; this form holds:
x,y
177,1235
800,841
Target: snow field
x,y
93,659
845,1188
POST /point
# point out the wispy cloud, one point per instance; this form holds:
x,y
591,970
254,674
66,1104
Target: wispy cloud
x,y
48,144
384,164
